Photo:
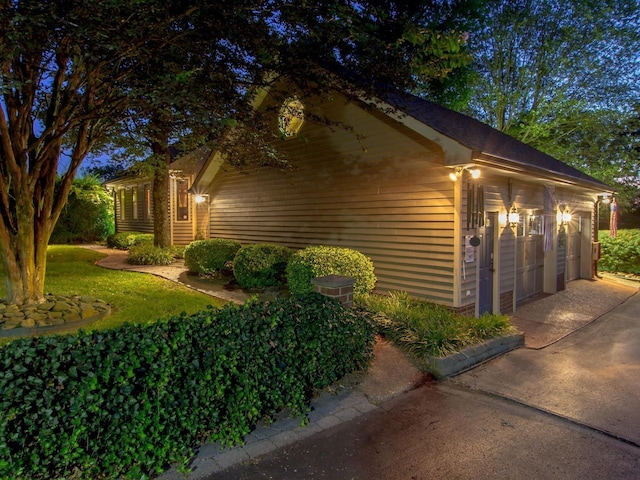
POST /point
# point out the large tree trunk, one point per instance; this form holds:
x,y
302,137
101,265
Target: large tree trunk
x,y
161,219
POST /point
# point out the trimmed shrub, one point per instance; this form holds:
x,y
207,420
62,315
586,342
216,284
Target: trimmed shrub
x,y
126,240
622,253
209,256
148,254
318,261
127,402
261,265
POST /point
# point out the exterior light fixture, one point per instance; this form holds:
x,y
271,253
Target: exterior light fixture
x,y
457,173
200,198
514,217
606,198
563,216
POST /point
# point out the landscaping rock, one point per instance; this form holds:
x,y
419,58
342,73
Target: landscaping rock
x,y
56,310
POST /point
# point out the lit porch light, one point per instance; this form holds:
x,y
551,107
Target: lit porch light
x,y
514,217
200,198
475,173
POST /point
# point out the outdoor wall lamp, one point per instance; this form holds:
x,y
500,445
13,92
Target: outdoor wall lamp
x,y
457,173
200,198
514,216
606,198
564,216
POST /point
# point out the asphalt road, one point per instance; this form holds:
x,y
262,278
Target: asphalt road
x,y
568,411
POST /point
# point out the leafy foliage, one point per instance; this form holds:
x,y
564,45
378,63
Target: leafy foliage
x,y
211,255
126,402
622,253
88,214
126,240
261,265
426,329
147,253
318,261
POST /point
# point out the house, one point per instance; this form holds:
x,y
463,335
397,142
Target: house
x,y
448,209
189,214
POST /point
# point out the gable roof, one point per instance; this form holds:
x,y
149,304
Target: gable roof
x,y
486,142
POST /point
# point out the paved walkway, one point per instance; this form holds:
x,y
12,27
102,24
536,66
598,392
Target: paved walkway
x,y
544,321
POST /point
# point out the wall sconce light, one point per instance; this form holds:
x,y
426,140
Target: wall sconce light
x,y
606,198
564,216
514,217
457,173
200,198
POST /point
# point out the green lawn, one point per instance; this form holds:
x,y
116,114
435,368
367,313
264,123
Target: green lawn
x,y
134,297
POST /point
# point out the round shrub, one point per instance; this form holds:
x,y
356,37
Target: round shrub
x,y
126,240
148,254
318,261
211,255
261,265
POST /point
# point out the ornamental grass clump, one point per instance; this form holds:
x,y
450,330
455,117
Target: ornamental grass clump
x,y
425,329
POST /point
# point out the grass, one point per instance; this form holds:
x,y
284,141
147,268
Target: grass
x,y
134,297
424,329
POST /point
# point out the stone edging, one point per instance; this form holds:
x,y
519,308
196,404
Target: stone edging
x,y
441,367
56,314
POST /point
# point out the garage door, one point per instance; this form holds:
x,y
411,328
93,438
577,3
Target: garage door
x,y
573,250
529,266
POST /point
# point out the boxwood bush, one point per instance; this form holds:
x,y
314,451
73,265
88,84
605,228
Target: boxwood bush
x,y
149,254
318,261
127,402
126,240
261,265
211,255
622,253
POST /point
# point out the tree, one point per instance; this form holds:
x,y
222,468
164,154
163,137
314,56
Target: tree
x,y
61,65
561,76
72,73
227,48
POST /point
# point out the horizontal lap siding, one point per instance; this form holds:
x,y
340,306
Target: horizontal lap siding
x,y
409,241
397,211
128,224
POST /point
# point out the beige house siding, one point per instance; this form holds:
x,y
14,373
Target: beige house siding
x,y
394,205
128,223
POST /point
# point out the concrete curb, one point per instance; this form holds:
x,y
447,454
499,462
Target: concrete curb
x,y
442,367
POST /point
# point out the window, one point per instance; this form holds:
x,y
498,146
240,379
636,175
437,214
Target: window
x,y
291,117
134,202
147,202
122,204
182,203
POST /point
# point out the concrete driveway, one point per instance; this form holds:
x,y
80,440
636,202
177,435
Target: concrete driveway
x,y
591,377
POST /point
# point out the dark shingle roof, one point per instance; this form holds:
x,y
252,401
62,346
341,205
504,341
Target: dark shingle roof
x,y
480,137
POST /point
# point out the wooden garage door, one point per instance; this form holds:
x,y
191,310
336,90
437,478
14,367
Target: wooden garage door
x,y
573,251
529,266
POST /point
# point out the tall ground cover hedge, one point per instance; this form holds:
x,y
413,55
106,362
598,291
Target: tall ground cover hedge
x,y
622,253
129,401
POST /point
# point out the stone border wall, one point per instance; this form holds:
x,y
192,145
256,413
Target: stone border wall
x,y
441,367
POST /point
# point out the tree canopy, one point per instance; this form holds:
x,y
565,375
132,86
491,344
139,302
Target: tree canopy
x,y
74,74
562,76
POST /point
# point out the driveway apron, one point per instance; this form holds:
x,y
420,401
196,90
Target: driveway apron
x,y
591,376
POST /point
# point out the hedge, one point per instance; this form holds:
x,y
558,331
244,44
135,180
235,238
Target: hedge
x,y
261,265
318,261
211,255
126,240
126,403
622,253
